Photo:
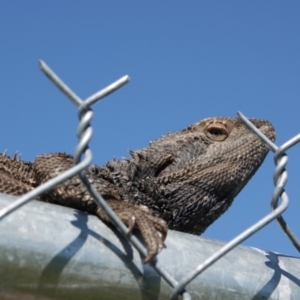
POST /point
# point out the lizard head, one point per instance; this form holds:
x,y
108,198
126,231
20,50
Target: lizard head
x,y
200,170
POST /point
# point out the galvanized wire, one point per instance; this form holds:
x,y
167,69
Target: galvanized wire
x,y
84,134
280,175
80,166
280,179
84,128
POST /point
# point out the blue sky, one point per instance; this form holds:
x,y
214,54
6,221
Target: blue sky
x,y
187,61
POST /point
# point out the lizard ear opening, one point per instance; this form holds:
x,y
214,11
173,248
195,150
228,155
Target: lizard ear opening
x,y
216,132
163,165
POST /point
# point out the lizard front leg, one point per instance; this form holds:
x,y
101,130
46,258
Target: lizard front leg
x,y
72,193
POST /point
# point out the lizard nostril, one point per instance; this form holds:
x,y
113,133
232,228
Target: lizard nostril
x,y
265,127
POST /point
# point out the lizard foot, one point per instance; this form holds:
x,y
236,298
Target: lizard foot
x,y
153,229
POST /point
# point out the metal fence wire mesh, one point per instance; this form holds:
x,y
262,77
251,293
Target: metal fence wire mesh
x,y
83,158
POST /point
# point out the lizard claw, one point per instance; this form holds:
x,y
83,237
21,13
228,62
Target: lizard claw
x,y
131,224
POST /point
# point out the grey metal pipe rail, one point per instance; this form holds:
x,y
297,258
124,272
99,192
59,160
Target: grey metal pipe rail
x,y
54,252
187,278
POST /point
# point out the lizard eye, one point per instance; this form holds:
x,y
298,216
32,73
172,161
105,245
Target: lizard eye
x,y
216,132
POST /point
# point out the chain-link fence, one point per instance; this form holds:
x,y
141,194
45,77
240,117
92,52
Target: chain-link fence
x,y
84,133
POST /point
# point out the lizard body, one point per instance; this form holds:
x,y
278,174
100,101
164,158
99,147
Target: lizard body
x,y
183,181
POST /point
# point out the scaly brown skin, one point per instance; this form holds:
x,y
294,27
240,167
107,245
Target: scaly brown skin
x,y
184,180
